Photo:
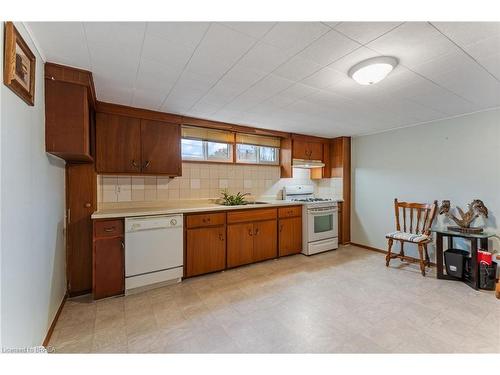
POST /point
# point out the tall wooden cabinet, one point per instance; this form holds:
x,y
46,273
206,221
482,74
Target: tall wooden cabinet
x,y
81,202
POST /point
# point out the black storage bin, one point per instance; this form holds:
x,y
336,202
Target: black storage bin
x,y
454,260
487,276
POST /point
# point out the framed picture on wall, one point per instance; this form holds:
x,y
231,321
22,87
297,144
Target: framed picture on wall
x,y
19,65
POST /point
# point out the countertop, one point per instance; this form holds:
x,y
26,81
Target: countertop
x,y
180,207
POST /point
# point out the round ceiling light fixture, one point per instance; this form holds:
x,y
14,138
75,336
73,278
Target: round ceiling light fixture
x,y
370,71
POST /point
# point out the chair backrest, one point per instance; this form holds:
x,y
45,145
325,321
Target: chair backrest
x,y
417,217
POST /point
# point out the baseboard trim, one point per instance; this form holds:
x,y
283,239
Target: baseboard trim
x,y
54,321
411,259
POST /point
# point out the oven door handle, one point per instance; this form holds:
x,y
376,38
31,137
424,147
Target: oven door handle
x,y
322,212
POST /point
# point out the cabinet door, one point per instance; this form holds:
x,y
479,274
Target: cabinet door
x,y
81,203
109,267
315,150
290,236
300,150
67,132
265,240
239,244
118,144
161,148
205,250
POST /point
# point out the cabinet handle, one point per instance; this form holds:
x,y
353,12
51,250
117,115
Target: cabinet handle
x,y
148,162
123,245
87,205
109,229
206,220
256,231
221,237
281,227
250,232
134,164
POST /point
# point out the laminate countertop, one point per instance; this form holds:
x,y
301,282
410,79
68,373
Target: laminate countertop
x,y
180,207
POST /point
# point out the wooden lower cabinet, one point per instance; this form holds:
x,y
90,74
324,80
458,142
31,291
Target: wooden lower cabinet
x,y
108,276
205,250
239,244
290,236
265,240
251,242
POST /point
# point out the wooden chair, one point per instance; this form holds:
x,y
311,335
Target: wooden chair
x,y
420,214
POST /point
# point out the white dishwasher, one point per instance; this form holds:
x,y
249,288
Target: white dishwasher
x,y
153,250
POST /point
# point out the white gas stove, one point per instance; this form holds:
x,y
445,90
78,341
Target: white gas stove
x,y
319,219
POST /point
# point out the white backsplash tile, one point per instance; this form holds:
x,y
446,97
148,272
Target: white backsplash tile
x,y
203,181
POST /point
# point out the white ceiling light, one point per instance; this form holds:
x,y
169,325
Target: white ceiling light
x,y
373,70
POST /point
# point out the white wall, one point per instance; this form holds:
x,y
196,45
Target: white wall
x,y
32,216
456,159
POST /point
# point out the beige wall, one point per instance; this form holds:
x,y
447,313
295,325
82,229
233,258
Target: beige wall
x,y
456,159
33,280
203,181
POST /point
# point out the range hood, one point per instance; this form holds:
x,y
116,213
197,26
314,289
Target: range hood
x,y
307,164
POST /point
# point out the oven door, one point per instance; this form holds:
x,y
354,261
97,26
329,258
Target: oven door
x,y
322,222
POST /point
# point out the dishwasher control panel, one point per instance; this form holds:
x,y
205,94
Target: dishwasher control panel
x,y
153,222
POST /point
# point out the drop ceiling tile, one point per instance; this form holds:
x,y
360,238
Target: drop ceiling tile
x,y
188,34
173,55
253,29
323,78
364,32
294,36
466,33
329,48
66,48
413,43
220,50
115,35
148,98
460,74
297,68
264,57
155,76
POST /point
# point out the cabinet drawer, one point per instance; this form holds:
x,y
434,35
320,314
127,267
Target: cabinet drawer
x,y
108,228
205,220
290,211
251,215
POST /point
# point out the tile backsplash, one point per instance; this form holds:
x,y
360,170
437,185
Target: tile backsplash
x,y
204,181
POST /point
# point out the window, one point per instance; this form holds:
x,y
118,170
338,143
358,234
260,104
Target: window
x,y
203,144
256,154
257,149
207,144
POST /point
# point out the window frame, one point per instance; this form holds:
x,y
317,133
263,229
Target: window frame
x,y
258,158
206,158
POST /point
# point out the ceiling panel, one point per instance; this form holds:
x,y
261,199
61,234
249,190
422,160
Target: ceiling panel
x,y
68,47
364,32
289,76
413,43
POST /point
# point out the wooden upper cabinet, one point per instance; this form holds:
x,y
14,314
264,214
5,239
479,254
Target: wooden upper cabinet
x,y
118,144
161,148
137,146
303,149
315,151
69,113
67,121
